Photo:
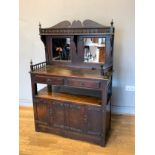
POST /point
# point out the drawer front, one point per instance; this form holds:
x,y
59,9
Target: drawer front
x,y
83,83
55,80
49,80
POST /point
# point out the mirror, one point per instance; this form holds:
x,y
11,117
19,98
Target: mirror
x,y
61,49
94,50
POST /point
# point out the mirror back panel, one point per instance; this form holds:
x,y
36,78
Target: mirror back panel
x,y
94,50
61,49
87,43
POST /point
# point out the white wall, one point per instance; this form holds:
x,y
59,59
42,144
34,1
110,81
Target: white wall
x,y
51,12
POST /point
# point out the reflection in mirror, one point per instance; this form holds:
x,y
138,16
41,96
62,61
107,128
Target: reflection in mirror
x,y
94,50
61,49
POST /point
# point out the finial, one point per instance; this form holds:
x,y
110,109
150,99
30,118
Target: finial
x,y
39,25
31,63
112,22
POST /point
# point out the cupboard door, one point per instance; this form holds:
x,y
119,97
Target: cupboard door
x,y
57,114
75,119
42,111
94,120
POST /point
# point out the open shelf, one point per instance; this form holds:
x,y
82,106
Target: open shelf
x,y
71,94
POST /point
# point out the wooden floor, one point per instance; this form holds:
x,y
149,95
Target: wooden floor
x,y
121,140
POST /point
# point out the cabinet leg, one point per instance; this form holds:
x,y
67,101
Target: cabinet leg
x,y
36,127
49,87
102,143
34,89
103,140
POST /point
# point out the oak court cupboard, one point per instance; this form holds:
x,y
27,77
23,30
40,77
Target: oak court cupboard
x,y
77,75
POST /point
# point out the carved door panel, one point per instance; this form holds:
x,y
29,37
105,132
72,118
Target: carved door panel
x,y
94,120
42,111
75,119
57,114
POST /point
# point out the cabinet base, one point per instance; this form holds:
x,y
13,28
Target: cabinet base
x,y
100,140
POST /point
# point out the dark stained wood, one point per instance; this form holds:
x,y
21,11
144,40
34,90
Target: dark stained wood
x,y
57,115
70,95
63,24
77,24
75,111
83,83
88,27
42,112
76,101
60,71
91,24
120,142
48,80
94,121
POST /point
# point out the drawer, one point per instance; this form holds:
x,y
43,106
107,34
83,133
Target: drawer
x,y
48,80
83,83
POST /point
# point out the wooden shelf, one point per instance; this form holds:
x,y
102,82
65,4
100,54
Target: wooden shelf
x,y
70,72
71,95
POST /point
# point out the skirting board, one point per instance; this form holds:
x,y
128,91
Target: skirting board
x,y
115,109
123,109
25,102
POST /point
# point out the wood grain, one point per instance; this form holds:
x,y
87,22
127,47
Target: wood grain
x,y
70,95
56,70
120,142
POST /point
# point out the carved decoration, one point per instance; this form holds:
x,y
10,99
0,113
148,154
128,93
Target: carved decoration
x,y
76,24
89,24
62,24
76,28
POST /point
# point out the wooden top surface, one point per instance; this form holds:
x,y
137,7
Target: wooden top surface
x,y
69,95
70,72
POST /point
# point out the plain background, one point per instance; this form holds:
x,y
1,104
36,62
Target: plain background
x,y
51,12
144,79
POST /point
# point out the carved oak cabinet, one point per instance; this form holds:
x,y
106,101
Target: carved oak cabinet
x,y
74,99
